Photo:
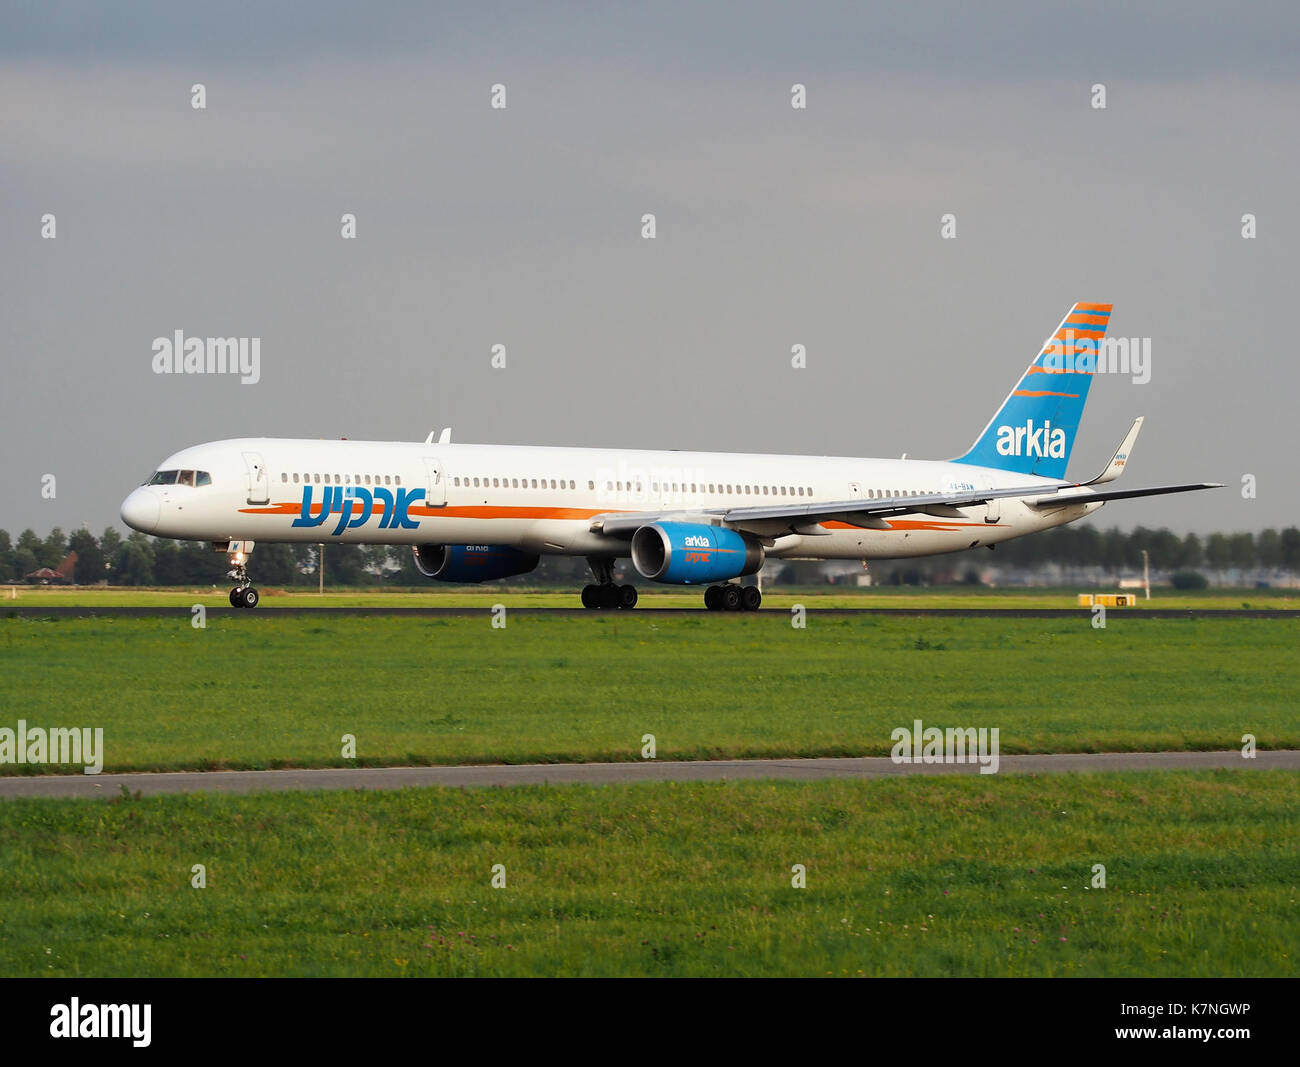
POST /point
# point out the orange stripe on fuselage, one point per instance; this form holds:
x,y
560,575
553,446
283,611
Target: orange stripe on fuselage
x,y
587,513
459,513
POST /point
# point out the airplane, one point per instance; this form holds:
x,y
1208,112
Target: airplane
x,y
474,513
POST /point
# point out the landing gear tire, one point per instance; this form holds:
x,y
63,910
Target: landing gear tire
x,y
627,597
713,598
750,598
729,597
249,597
608,596
590,596
236,600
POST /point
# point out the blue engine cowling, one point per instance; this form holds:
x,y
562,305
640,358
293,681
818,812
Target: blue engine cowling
x,y
471,563
683,553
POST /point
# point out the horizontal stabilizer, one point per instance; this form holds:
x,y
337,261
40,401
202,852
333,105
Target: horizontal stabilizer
x,y
1059,500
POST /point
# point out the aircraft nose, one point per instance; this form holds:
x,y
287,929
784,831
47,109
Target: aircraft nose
x,y
141,509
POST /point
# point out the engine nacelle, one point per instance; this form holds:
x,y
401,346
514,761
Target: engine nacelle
x,y
683,553
471,563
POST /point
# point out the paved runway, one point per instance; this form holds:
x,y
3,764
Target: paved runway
x,y
110,785
264,612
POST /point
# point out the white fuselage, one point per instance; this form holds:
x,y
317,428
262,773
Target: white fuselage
x,y
543,500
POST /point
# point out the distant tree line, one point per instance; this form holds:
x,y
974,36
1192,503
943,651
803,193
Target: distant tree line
x,y
150,561
1116,550
141,560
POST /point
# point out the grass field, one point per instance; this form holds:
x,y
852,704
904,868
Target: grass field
x,y
774,597
256,691
951,876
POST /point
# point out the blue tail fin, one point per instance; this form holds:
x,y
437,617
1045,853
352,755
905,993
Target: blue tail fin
x,y
1034,430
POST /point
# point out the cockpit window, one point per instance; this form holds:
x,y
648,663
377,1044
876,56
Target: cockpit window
x,y
194,478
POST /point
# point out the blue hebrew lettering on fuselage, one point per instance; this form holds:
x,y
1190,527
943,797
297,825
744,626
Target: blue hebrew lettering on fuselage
x,y
405,498
383,494
346,520
337,498
327,505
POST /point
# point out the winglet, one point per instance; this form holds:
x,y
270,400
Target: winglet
x,y
1116,466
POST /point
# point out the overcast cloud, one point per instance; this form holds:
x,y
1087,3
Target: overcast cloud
x,y
775,227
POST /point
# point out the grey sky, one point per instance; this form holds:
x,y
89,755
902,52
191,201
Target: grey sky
x,y
522,227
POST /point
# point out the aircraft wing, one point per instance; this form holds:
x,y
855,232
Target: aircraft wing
x,y
804,518
768,520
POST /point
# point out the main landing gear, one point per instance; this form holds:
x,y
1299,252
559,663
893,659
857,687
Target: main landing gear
x,y
732,597
243,595
605,595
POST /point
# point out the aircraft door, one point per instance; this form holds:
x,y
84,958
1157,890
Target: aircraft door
x,y
436,485
993,512
259,485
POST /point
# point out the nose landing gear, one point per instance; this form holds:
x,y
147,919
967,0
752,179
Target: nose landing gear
x,y
243,595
